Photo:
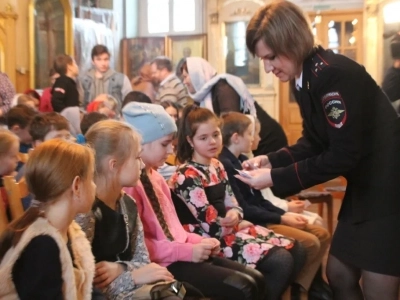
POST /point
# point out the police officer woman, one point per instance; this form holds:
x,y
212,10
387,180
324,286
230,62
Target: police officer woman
x,y
350,129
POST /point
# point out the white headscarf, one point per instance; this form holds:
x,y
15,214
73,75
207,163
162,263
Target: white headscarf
x,y
203,77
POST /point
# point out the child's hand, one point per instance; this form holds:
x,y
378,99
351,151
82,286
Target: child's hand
x,y
231,219
106,272
151,273
296,206
295,221
244,224
215,243
201,252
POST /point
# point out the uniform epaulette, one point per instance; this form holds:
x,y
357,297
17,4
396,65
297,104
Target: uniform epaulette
x,y
318,64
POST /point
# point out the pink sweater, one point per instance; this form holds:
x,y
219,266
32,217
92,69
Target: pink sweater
x,y
163,251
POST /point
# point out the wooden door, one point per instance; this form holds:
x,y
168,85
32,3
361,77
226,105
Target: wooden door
x,y
339,31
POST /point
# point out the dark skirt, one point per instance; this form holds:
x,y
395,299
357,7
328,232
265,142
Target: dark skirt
x,y
371,245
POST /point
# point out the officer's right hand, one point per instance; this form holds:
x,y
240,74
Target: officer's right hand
x,y
260,161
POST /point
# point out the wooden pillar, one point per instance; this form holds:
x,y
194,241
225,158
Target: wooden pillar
x,y
8,42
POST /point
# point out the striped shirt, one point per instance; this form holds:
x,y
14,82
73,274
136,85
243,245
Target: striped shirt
x,y
172,89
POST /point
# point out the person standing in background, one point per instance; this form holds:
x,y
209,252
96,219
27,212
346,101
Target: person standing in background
x,y
103,80
170,86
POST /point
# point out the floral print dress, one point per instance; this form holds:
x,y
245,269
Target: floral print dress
x,y
208,195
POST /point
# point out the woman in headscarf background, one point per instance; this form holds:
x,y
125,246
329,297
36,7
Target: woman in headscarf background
x,y
225,92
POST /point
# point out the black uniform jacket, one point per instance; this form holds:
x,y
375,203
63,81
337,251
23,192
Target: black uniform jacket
x,y
255,208
349,129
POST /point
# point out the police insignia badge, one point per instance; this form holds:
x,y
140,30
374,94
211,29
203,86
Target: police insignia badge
x,y
334,108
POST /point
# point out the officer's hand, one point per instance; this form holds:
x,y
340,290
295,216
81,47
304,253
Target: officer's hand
x,y
260,178
254,163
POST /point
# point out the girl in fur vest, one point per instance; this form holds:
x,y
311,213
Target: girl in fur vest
x,y
44,254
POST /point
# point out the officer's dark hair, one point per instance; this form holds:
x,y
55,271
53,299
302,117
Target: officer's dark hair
x,y
99,50
192,117
162,62
61,63
284,28
233,122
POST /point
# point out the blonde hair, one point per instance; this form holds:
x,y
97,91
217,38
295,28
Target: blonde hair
x,y
53,165
7,140
112,138
284,28
49,172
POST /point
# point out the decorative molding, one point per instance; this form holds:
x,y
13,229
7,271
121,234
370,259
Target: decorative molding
x,y
8,13
259,2
241,11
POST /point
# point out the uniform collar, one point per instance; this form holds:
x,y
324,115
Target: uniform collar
x,y
299,81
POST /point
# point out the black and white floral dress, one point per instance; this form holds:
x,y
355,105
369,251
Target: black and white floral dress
x,y
206,191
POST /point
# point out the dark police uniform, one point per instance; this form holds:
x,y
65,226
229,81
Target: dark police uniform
x,y
349,129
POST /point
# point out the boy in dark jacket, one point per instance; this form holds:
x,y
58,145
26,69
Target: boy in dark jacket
x,y
64,91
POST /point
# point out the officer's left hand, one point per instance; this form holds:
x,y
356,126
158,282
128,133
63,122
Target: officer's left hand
x,y
260,178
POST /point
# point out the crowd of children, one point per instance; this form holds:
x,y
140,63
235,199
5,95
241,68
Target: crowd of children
x,y
128,194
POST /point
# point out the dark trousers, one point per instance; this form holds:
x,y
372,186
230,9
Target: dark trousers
x,y
221,278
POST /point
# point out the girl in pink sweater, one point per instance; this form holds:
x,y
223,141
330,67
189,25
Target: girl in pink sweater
x,y
188,256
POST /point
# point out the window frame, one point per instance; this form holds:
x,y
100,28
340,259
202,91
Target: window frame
x,y
143,20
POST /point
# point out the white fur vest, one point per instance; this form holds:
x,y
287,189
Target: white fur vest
x,y
77,282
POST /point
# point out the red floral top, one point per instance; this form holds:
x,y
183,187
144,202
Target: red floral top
x,y
247,245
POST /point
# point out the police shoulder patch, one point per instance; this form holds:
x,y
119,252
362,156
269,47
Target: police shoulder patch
x,y
335,109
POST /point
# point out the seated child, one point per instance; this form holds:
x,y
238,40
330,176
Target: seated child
x,y
90,119
188,256
202,183
49,126
18,119
9,149
104,104
238,133
24,99
113,226
135,96
64,91
44,254
74,116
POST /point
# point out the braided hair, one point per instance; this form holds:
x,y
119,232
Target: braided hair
x,y
149,190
